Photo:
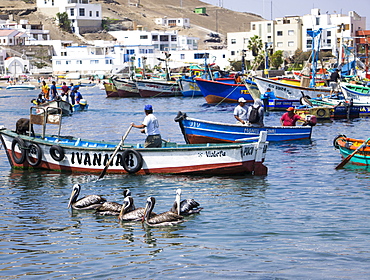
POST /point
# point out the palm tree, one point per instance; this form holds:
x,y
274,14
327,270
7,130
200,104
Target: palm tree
x,y
256,46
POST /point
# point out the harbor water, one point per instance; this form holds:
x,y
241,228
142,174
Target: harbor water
x,y
304,220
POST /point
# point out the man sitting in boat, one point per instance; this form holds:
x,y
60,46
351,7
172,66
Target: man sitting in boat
x,y
240,113
290,118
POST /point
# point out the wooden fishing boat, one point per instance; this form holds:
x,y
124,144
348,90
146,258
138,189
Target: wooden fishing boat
x,y
189,87
110,90
286,91
72,154
66,107
125,87
158,88
197,131
359,94
224,90
348,145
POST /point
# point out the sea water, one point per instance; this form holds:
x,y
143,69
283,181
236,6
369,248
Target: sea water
x,y
304,220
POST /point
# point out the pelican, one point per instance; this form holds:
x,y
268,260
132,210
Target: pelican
x,y
109,208
129,212
187,206
164,219
86,203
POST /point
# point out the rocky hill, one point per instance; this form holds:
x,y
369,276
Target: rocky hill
x,y
126,16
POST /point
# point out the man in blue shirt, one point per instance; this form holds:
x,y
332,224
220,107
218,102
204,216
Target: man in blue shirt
x,y
266,96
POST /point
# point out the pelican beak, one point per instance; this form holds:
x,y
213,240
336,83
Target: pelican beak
x,y
71,198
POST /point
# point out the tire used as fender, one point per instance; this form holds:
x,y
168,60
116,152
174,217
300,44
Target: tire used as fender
x,y
21,145
57,152
132,161
34,149
335,143
320,112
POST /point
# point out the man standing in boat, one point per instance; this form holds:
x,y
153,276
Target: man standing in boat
x,y
334,81
45,90
150,126
240,113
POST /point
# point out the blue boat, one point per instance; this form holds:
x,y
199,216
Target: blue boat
x,y
189,87
199,131
225,90
282,104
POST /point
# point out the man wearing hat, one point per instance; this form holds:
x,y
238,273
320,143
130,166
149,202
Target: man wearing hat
x,y
290,118
240,113
150,127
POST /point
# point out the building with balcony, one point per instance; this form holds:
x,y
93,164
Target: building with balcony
x,y
173,22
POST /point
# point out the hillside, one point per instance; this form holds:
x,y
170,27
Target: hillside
x,y
216,20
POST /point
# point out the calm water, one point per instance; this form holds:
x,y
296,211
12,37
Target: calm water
x,y
304,220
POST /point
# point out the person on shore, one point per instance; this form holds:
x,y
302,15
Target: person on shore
x,y
255,114
53,91
45,90
290,118
265,97
65,92
240,113
150,126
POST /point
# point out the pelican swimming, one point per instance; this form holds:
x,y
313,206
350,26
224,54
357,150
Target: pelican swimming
x,y
86,203
187,206
129,212
109,208
163,219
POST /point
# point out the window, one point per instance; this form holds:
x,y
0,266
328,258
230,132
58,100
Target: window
x,y
269,28
68,62
328,33
182,56
198,55
58,62
78,61
143,37
290,32
173,38
81,12
328,41
317,21
94,61
291,44
269,39
232,53
63,53
279,44
233,41
279,33
163,38
97,13
253,27
155,37
108,61
90,13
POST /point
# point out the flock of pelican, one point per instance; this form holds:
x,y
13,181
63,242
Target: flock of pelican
x,y
128,212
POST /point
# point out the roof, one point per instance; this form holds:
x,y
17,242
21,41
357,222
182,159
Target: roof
x,y
7,32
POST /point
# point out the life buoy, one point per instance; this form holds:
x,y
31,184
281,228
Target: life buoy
x,y
321,113
57,152
34,151
21,146
335,141
132,161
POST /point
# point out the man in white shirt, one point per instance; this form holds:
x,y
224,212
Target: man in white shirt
x,y
240,113
150,126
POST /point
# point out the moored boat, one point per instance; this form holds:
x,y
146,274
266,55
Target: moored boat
x,y
125,87
22,86
226,91
347,146
286,91
72,154
158,88
197,131
358,94
189,87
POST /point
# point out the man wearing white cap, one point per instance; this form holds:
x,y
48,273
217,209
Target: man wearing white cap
x,y
240,113
150,127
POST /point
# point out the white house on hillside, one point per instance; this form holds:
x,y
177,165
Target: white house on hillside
x,y
11,37
35,31
83,15
173,22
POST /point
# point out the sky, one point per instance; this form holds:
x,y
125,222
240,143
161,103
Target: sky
x,y
281,8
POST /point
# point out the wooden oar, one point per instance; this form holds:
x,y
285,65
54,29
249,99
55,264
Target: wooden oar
x,y
115,152
348,158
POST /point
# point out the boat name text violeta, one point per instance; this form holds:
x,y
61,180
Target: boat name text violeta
x,y
212,154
